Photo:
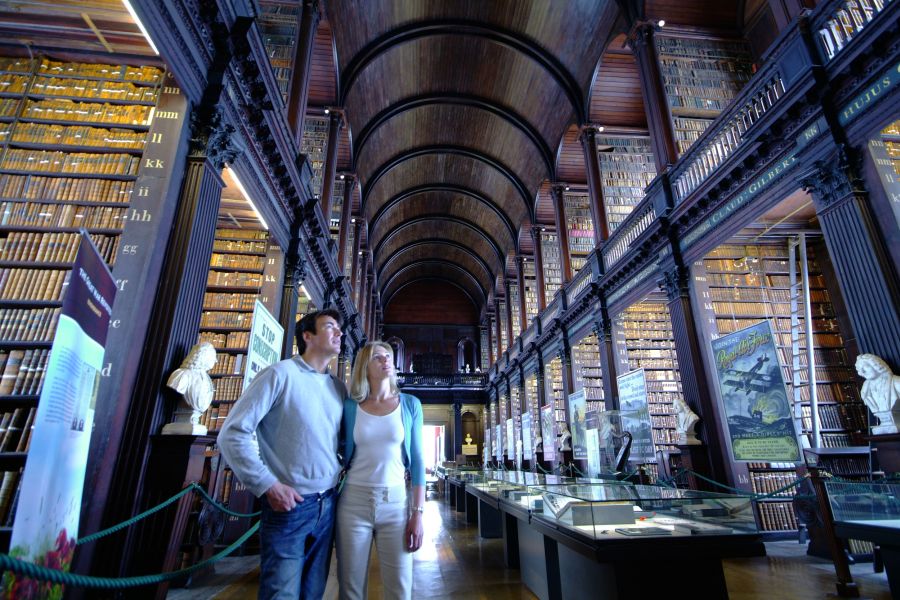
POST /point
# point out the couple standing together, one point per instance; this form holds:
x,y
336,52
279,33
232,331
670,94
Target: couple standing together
x,y
282,441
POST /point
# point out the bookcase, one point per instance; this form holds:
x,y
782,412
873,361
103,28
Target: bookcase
x,y
514,307
315,139
554,393
701,77
580,228
72,135
627,167
348,252
532,406
504,337
644,339
337,202
530,295
515,413
587,373
485,350
891,137
743,284
502,416
278,24
552,264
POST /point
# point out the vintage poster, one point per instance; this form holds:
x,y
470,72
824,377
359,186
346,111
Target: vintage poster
x,y
756,407
266,335
577,407
592,441
635,415
527,450
49,501
548,433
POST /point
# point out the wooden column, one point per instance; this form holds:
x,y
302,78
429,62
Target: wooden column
x,y
307,21
509,327
354,260
689,348
568,381
539,268
562,234
490,344
588,140
294,274
359,288
785,11
335,122
606,346
866,276
346,212
659,120
520,276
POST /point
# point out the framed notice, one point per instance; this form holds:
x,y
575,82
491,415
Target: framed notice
x,y
577,407
266,335
635,415
548,432
754,398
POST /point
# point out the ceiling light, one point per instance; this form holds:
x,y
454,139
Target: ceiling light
x,y
661,23
601,128
327,111
240,187
342,177
140,25
543,229
568,188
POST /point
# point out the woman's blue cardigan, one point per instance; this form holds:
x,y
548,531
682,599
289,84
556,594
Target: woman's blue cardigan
x,y
411,415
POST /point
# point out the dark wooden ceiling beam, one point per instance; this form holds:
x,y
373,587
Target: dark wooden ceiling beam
x,y
445,187
384,268
467,100
387,293
508,173
484,235
456,27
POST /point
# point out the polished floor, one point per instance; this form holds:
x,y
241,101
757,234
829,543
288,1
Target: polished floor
x,y
455,563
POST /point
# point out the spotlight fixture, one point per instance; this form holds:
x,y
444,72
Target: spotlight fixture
x,y
342,177
327,110
661,23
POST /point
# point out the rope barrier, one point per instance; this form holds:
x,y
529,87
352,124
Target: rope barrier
x,y
752,495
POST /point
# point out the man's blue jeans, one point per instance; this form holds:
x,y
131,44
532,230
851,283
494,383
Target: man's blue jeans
x,y
295,548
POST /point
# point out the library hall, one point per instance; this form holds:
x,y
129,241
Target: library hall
x,y
461,299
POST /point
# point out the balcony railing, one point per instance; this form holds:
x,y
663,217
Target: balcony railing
x,y
580,282
640,219
841,21
465,380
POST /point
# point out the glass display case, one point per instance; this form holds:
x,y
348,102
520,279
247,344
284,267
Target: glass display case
x,y
610,510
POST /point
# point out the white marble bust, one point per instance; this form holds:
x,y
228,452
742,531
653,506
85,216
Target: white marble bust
x,y
192,381
686,422
880,392
565,439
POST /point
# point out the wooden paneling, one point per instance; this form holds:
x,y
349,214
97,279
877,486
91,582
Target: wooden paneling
x,y
432,251
570,164
721,15
430,302
544,206
322,77
616,94
440,271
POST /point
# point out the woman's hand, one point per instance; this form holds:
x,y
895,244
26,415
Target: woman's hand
x,y
414,532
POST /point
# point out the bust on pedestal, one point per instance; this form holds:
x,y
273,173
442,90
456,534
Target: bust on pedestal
x,y
192,381
686,422
880,392
565,439
468,448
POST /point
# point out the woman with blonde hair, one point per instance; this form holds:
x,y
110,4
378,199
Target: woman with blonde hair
x,y
382,431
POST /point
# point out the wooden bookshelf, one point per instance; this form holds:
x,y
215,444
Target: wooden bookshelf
x,y
277,23
315,140
627,167
701,77
580,228
552,264
485,351
587,374
746,284
337,202
504,337
530,295
514,307
553,382
71,140
515,413
532,406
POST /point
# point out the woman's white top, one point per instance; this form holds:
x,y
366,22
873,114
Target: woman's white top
x,y
377,460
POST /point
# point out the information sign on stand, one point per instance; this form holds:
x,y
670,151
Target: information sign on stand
x,y
49,502
548,433
592,441
577,407
266,335
635,415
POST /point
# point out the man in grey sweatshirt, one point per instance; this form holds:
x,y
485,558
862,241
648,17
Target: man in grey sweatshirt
x,y
281,440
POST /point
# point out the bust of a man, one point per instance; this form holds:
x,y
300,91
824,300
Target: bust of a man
x,y
687,421
192,381
565,439
880,392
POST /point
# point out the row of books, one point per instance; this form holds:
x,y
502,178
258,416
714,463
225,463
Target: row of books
x,y
239,246
741,251
663,420
665,437
23,371
121,91
228,389
222,278
57,247
9,496
770,481
703,49
70,189
776,516
650,353
40,161
228,364
87,112
47,67
315,138
233,301
77,135
239,234
235,339
29,284
28,325
236,261
226,319
215,416
33,214
15,429
846,466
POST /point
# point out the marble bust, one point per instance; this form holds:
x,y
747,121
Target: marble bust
x,y
192,381
565,439
686,422
880,392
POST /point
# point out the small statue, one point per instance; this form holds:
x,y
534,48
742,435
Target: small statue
x,y
192,381
468,439
467,368
880,392
538,444
687,421
565,439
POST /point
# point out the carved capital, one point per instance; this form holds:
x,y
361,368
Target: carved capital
x,y
834,180
675,282
295,271
211,136
640,35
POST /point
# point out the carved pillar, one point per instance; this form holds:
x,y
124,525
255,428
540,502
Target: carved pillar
x,y
294,275
499,329
360,287
588,140
520,277
784,11
865,274
509,313
354,260
689,349
346,212
457,429
562,234
539,268
659,120
490,342
335,122
568,379
606,346
308,20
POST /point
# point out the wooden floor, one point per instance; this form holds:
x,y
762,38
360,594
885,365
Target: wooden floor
x,y
455,563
